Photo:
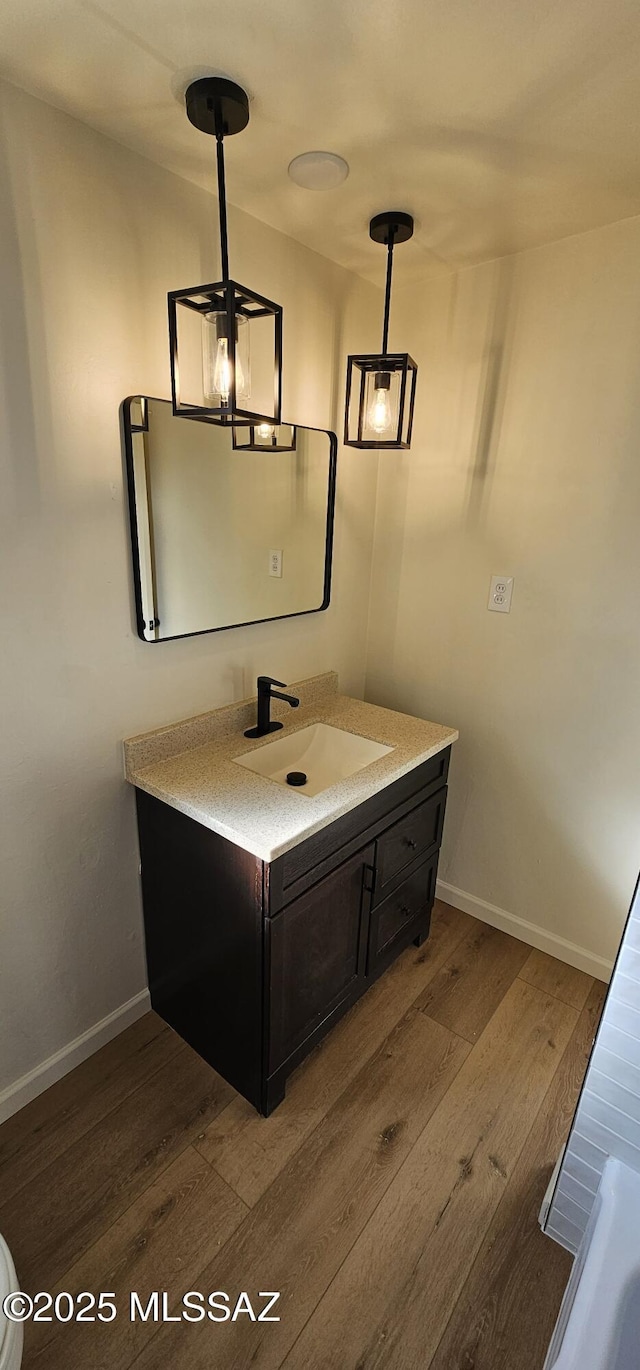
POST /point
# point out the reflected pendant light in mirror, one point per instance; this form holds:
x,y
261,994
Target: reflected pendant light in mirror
x,y
381,387
225,340
265,437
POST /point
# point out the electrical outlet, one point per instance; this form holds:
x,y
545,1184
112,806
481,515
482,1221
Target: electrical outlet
x,y
500,594
275,563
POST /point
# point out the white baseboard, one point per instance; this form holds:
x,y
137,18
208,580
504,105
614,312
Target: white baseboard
x,y
15,1096
531,933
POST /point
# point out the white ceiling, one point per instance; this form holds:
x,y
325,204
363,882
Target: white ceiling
x,y
500,124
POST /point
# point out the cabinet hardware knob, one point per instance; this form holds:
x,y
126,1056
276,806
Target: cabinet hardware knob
x,y
405,910
410,843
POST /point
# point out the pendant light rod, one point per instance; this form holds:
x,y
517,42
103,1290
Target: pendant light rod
x,y
387,293
222,203
221,108
394,226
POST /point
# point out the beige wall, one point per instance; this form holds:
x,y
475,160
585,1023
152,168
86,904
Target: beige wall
x,y
93,237
525,462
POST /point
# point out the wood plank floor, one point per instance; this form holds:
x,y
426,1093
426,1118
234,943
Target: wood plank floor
x,y
392,1199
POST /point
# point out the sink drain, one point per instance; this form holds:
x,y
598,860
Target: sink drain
x,y
296,778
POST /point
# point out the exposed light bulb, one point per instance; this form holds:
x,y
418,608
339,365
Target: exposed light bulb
x,y
265,431
217,367
380,416
222,371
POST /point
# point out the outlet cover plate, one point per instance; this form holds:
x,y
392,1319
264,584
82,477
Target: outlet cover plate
x,y
500,594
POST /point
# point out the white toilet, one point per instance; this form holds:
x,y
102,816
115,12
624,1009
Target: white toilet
x,y
11,1333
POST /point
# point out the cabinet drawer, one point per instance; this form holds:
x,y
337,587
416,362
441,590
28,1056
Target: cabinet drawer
x,y
392,918
415,835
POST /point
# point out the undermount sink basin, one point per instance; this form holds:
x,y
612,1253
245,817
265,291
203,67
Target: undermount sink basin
x,y
322,753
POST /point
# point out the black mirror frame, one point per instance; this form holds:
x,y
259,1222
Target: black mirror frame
x,y
128,428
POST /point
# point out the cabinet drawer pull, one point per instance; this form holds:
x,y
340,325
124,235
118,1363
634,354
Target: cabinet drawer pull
x,y
410,843
369,877
406,911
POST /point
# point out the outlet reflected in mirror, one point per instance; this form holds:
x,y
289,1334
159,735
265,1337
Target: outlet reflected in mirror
x,y
223,537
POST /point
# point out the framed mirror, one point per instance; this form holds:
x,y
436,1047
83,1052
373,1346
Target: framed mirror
x,y
223,535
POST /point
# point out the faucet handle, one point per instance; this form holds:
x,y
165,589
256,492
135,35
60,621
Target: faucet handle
x,y
270,680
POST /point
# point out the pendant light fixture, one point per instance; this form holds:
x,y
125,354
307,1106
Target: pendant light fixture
x,y
381,387
225,340
265,437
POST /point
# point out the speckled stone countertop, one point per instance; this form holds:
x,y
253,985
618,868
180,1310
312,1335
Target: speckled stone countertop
x,y
190,766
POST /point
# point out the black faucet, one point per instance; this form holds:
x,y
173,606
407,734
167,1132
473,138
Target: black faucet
x,y
265,695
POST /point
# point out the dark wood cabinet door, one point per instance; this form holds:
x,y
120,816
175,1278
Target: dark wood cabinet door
x,y
317,954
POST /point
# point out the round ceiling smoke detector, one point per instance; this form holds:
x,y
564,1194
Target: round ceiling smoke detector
x,y
318,170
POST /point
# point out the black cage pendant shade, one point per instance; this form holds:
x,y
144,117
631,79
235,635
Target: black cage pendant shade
x,y
225,340
381,387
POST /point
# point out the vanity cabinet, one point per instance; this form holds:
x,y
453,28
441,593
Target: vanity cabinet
x,y
252,962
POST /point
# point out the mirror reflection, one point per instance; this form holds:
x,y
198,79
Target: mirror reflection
x,y
223,535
